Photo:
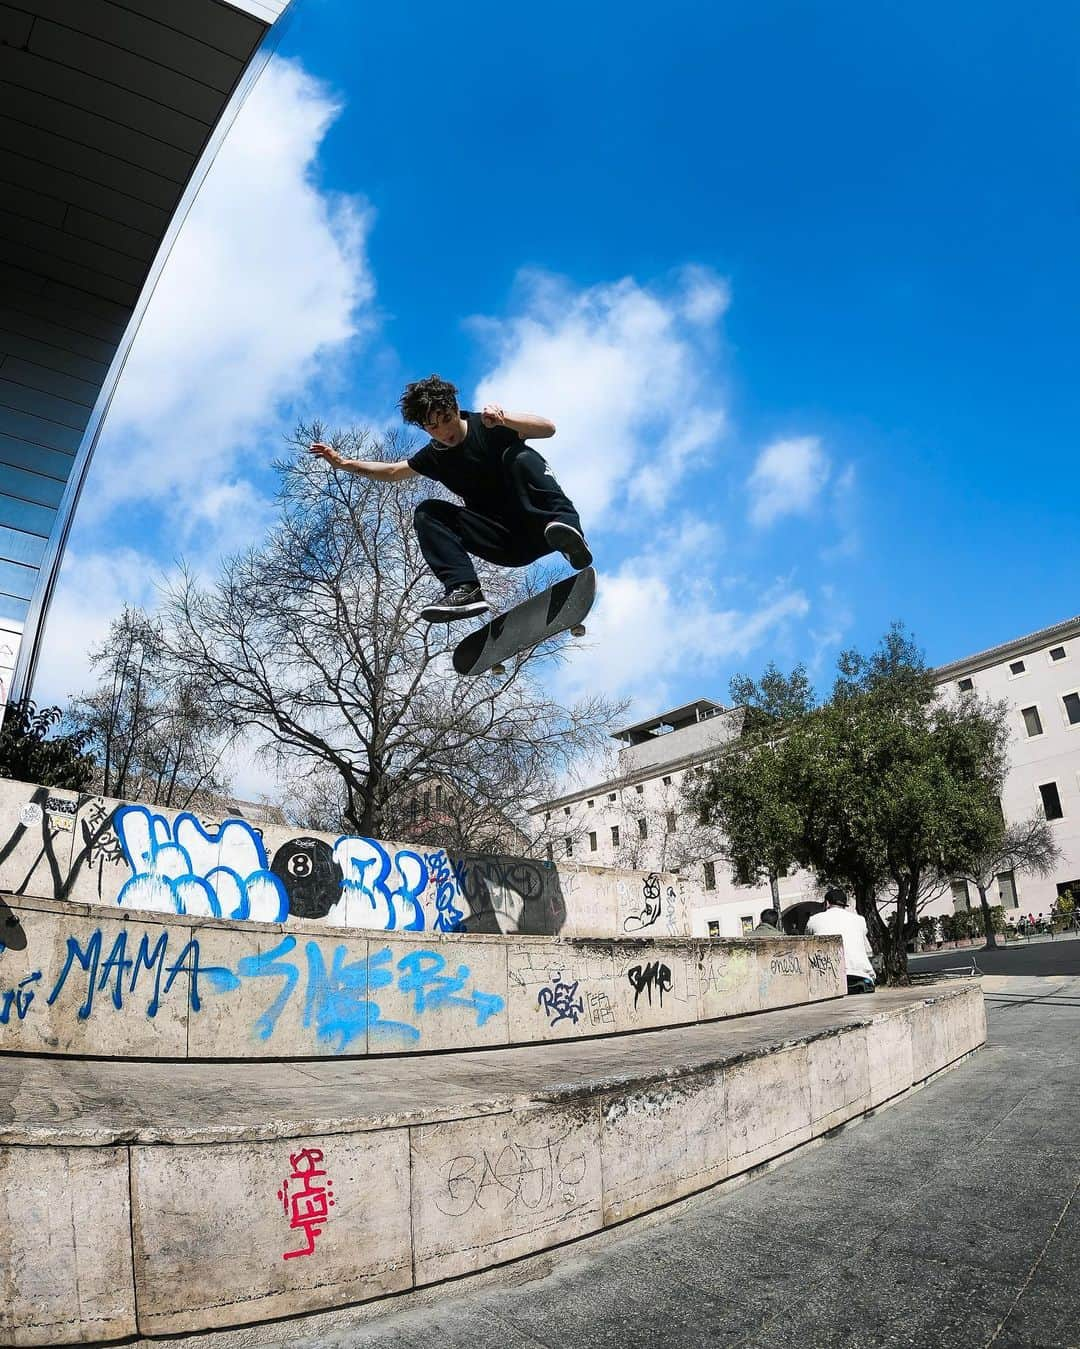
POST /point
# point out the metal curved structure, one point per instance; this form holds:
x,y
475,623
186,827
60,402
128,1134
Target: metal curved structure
x,y
111,112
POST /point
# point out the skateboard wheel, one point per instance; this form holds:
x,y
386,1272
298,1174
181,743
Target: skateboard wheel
x,y
498,669
578,630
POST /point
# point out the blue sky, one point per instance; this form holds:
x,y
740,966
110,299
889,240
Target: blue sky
x,y
799,285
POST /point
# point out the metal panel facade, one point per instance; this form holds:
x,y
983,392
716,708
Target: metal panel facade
x,y
106,107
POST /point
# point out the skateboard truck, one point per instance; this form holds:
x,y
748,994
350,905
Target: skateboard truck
x,y
578,630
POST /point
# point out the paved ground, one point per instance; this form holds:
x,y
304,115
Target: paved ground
x,y
1039,956
951,1220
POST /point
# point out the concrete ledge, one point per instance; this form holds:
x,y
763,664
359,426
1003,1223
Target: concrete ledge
x,y
263,1190
80,980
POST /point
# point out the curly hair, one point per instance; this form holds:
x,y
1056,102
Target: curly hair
x,y
426,397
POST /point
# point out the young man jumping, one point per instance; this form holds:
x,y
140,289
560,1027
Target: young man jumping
x,y
514,511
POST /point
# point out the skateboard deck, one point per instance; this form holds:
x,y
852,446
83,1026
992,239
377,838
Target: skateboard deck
x,y
560,608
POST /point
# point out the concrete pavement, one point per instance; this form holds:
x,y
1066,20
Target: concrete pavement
x,y
952,1220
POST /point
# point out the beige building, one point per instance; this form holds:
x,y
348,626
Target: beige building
x,y
1039,677
636,818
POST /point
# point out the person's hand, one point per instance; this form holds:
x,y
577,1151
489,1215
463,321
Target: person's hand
x,y
326,452
493,415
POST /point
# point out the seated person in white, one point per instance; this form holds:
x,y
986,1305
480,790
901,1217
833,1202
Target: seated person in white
x,y
835,921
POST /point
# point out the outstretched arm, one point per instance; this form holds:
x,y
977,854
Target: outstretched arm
x,y
397,471
527,424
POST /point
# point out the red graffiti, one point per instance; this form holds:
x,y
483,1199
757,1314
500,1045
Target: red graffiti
x,y
308,1206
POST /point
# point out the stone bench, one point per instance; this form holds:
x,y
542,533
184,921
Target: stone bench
x,y
162,1199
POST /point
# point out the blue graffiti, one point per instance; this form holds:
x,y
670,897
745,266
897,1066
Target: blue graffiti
x,y
180,866
20,998
338,1002
184,866
368,872
422,976
121,973
448,889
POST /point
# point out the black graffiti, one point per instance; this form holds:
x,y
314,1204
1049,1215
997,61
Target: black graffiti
x,y
99,842
822,962
311,877
785,965
561,1002
651,905
515,1176
510,894
644,978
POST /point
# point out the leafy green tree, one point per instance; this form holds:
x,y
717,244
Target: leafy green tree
x,y
32,751
880,789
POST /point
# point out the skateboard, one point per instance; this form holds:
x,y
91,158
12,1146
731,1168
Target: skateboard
x,y
560,608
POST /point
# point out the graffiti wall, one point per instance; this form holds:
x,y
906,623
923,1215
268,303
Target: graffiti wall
x,y
95,980
61,845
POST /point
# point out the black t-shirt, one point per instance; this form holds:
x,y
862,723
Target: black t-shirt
x,y
472,470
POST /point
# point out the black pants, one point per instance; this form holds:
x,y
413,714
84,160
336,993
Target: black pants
x,y
511,537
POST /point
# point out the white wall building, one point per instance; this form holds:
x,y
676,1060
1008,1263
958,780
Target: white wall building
x,y
1039,677
636,818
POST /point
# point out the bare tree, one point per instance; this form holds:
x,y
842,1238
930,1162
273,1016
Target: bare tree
x,y
311,642
1028,845
149,729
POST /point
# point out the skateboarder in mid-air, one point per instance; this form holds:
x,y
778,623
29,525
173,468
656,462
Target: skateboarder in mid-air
x,y
514,511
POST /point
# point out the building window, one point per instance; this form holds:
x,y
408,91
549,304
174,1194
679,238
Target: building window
x,y
1071,888
710,875
611,796
1007,890
1032,721
591,804
667,782
714,928
413,809
643,827
592,842
550,853
639,788
746,923
427,802
614,835
1016,667
960,896
671,825
566,810
569,847
438,797
965,685
1072,708
1057,653
1051,800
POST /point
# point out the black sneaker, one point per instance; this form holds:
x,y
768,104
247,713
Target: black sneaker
x,y
570,542
461,602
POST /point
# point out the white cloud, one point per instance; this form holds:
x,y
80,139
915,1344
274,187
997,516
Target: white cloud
x,y
267,277
267,282
787,479
706,296
660,619
93,589
626,372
